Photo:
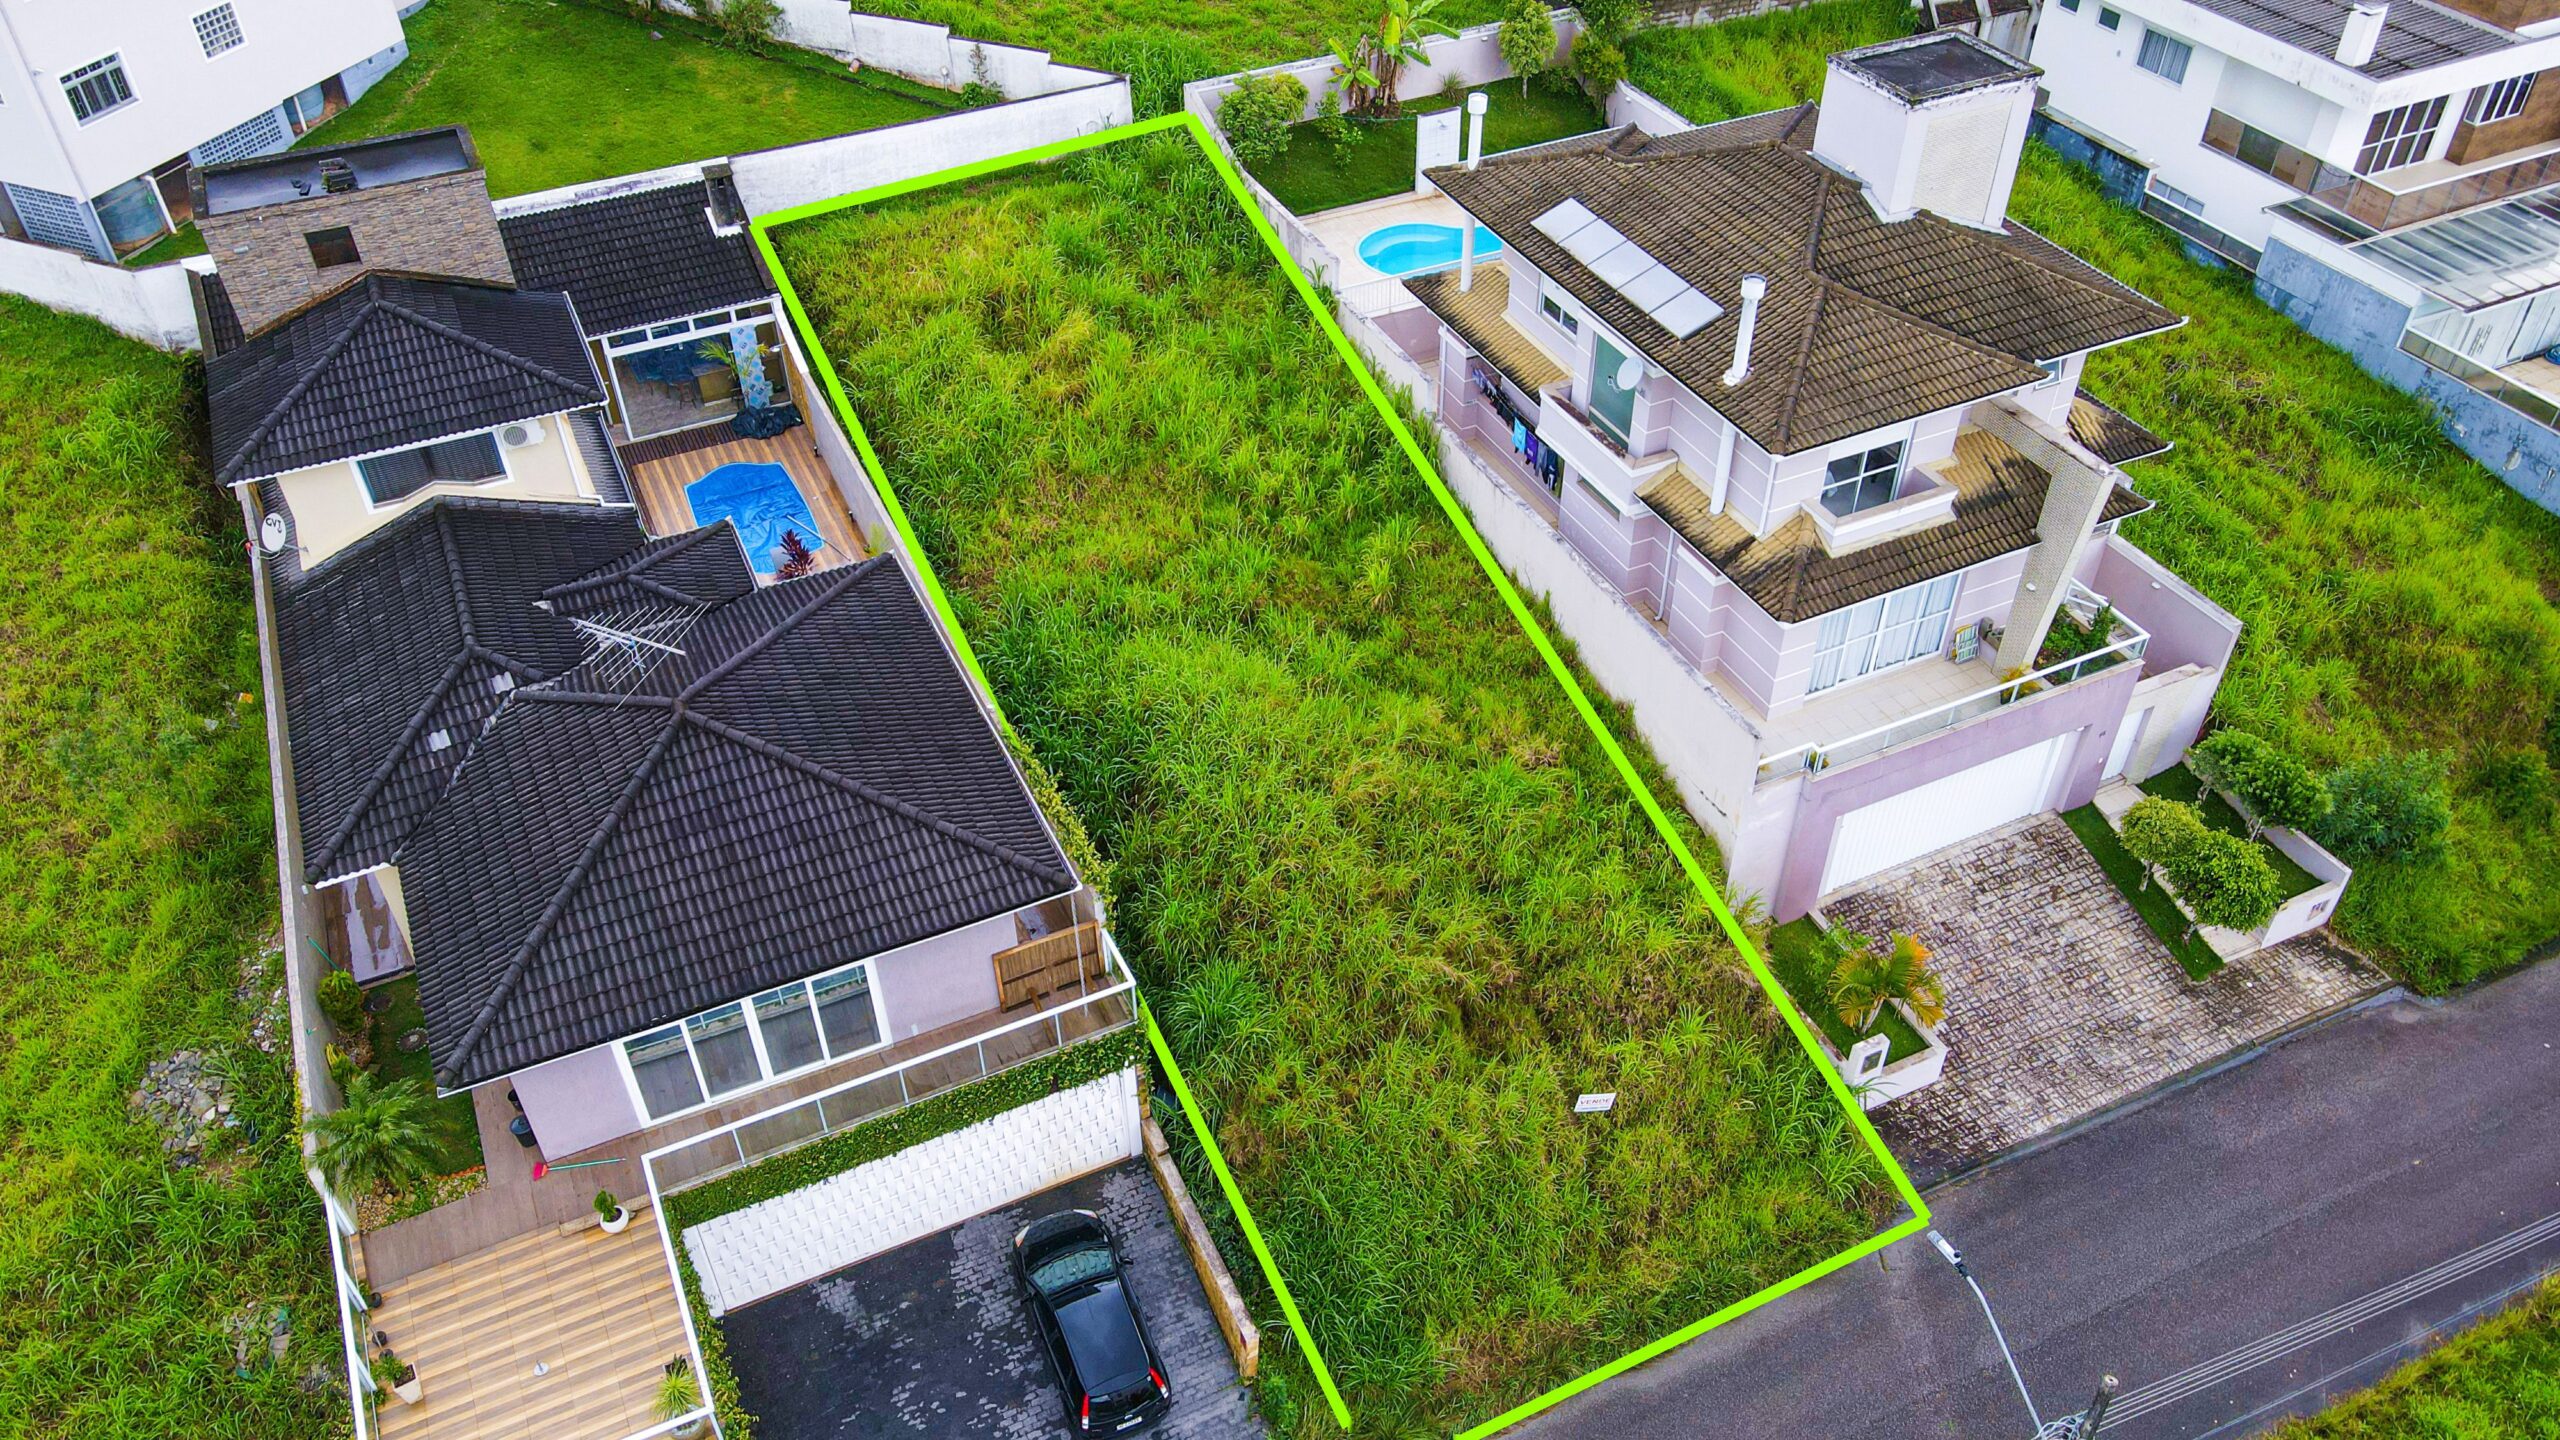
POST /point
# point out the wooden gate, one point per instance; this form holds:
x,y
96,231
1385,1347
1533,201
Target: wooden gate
x,y
1036,969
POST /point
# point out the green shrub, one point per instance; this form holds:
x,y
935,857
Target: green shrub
x,y
748,24
977,93
1612,21
2225,880
2159,832
2277,788
1257,115
2389,807
1598,64
1527,40
1335,128
2518,785
342,1000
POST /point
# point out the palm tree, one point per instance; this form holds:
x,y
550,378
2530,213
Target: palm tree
x,y
1865,981
379,1137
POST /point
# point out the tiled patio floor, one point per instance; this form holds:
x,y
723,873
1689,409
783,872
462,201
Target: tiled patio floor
x,y
2060,1002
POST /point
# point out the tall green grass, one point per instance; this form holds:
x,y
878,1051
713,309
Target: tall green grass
x,y
136,862
2397,595
2498,1380
1390,900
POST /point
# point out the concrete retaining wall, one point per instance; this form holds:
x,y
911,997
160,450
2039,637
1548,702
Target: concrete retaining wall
x,y
150,305
773,180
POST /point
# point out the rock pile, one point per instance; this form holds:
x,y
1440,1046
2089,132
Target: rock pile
x,y
188,1099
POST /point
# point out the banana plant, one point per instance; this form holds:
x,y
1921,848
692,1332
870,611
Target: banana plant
x,y
1369,65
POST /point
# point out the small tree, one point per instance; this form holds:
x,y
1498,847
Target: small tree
x,y
2389,807
378,1138
2159,831
1527,40
342,1000
1369,64
1863,981
1257,115
1336,128
1599,65
1612,20
797,559
2273,786
2227,881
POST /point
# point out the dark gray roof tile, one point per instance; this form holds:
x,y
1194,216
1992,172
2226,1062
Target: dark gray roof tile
x,y
635,258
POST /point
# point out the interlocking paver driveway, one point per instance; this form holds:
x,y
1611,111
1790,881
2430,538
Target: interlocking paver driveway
x,y
930,1339
2060,1002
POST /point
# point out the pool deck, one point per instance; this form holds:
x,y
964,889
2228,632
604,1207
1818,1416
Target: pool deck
x,y
1342,231
658,484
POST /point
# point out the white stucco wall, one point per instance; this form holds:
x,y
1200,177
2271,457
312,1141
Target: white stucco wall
x,y
150,305
772,180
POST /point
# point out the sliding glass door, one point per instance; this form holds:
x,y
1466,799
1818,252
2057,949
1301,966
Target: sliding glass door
x,y
1886,631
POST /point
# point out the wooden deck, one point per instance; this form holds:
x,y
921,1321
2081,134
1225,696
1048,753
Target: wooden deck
x,y
659,487
565,1337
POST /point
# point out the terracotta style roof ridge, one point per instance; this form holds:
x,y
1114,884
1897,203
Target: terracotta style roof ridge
x,y
633,570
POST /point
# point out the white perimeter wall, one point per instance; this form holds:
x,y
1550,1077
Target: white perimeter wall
x,y
772,180
149,305
776,1244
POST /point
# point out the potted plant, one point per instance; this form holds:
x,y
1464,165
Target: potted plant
x,y
610,1214
678,1398
398,1376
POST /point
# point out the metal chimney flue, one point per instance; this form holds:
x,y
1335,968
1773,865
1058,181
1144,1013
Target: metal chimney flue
x,y
1753,287
2363,33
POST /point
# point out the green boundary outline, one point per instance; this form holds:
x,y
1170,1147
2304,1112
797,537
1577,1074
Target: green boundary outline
x,y
762,227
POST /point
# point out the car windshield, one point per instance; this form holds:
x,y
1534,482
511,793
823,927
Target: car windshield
x,y
1072,1268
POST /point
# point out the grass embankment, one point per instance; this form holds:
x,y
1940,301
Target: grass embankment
x,y
1795,957
2398,597
559,91
137,863
1308,176
2498,1380
1390,900
2180,783
2153,903
1156,40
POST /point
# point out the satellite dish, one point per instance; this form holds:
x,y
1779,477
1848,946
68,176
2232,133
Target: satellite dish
x,y
273,534
1630,371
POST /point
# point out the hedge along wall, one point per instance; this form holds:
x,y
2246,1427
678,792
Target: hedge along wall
x,y
933,1116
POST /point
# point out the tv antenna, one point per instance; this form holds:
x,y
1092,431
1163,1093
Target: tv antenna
x,y
624,646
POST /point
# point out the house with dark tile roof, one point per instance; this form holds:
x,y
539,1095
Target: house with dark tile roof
x,y
1796,394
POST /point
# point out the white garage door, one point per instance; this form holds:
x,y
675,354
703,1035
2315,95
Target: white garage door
x,y
1940,813
772,1245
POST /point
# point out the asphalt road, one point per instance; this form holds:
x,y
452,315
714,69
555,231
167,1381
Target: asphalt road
x,y
2168,1246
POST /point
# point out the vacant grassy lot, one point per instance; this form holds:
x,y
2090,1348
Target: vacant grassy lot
x,y
2498,1380
1392,904
2397,595
137,867
559,91
1197,38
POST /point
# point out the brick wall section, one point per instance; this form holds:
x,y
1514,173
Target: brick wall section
x,y
2071,505
439,226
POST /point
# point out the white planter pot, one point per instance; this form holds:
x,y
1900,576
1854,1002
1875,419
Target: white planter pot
x,y
411,1390
617,1222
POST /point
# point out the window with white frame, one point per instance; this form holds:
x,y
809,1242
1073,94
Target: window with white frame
x,y
2400,137
217,30
1557,315
1888,630
1862,479
2109,19
2164,55
2052,374
96,88
2502,101
733,1047
2071,6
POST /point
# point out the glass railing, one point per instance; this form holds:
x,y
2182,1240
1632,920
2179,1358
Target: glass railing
x,y
2373,200
2523,399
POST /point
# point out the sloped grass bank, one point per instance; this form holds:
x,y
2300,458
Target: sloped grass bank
x,y
138,869
1390,901
2498,1380
2398,597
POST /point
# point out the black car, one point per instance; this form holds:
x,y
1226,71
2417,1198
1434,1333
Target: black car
x,y
1071,1276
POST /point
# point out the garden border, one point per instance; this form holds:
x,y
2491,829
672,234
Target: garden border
x,y
761,228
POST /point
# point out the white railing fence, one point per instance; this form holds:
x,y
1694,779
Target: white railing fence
x,y
352,1309
1814,757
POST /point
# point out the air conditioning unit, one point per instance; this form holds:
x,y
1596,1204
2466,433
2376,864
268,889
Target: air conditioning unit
x,y
517,434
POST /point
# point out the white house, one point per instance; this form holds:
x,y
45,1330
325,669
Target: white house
x,y
2390,172
104,106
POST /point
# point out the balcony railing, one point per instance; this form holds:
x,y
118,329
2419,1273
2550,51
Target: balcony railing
x,y
2127,642
2532,404
2196,228
2375,200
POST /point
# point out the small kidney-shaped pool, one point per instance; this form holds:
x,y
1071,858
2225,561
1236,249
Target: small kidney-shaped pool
x,y
1405,249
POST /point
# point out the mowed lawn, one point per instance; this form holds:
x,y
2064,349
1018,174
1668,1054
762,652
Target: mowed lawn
x,y
2398,596
560,91
138,867
1390,901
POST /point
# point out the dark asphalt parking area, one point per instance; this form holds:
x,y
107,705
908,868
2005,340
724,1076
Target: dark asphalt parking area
x,y
932,1339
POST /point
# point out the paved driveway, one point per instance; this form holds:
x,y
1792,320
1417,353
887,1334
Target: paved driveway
x,y
929,1339
2060,1001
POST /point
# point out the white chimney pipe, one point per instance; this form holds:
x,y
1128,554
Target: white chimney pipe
x,y
1467,256
1753,287
1476,104
2362,33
